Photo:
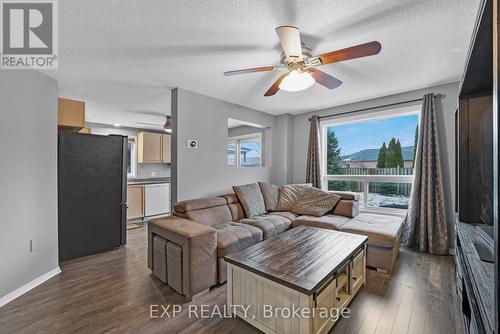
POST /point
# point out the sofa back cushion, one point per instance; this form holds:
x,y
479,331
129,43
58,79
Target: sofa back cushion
x,y
347,208
207,211
315,202
251,199
234,206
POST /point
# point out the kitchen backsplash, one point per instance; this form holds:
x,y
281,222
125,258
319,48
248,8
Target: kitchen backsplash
x,y
153,170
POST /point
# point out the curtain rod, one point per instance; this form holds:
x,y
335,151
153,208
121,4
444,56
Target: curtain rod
x,y
439,96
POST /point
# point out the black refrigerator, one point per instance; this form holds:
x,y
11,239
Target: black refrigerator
x,y
92,184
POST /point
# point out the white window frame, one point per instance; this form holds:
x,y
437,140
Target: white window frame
x,y
237,140
236,152
366,179
133,160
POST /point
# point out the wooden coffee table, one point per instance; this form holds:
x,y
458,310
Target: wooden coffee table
x,y
307,269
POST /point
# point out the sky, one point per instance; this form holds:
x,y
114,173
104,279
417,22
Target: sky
x,y
354,137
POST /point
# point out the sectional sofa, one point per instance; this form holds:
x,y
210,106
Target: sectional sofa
x,y
187,250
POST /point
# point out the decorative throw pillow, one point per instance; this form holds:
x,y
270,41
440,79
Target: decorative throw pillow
x,y
251,199
315,202
289,195
271,194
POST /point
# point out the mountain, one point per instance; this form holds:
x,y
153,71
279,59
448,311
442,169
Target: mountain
x,y
371,154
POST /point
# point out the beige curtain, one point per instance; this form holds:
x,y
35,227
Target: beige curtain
x,y
428,226
313,170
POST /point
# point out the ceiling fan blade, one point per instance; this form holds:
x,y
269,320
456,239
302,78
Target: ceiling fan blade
x,y
251,70
324,79
276,86
290,41
358,51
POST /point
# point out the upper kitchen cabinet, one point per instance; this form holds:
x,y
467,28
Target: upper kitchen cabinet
x,y
166,156
70,114
153,148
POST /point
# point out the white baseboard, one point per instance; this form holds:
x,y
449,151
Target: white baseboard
x,y
28,286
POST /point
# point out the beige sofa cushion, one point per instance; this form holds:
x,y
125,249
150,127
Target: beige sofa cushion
x,y
331,222
231,237
381,230
198,204
315,202
346,208
286,214
251,199
270,225
234,206
209,216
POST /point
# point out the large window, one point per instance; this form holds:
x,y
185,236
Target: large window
x,y
372,156
245,151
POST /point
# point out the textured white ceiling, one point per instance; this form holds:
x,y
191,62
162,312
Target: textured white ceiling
x,y
127,54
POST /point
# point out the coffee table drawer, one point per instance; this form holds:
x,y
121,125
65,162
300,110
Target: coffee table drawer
x,y
358,271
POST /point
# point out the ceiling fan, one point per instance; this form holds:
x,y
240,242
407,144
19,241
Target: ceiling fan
x,y
167,126
299,63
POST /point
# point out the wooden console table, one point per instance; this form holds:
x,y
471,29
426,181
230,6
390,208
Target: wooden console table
x,y
306,268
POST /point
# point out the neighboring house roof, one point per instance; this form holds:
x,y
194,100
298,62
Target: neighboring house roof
x,y
372,154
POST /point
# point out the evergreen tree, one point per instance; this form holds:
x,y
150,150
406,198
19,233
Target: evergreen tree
x,y
333,157
390,161
382,157
399,155
394,154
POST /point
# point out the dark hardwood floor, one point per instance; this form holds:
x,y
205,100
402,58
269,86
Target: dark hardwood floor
x,y
112,293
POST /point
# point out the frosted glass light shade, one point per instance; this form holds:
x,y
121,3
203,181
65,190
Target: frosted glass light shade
x,y
296,81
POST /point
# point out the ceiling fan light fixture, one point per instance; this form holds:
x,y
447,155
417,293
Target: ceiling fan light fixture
x,y
297,81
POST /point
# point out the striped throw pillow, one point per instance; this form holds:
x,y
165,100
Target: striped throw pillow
x,y
315,202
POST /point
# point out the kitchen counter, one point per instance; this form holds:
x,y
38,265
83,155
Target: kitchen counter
x,y
151,180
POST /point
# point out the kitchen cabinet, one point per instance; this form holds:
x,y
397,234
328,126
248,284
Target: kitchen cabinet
x,y
70,114
153,147
166,156
156,199
135,202
149,147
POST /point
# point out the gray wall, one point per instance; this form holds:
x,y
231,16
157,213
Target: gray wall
x,y
143,170
204,171
282,150
446,120
28,177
